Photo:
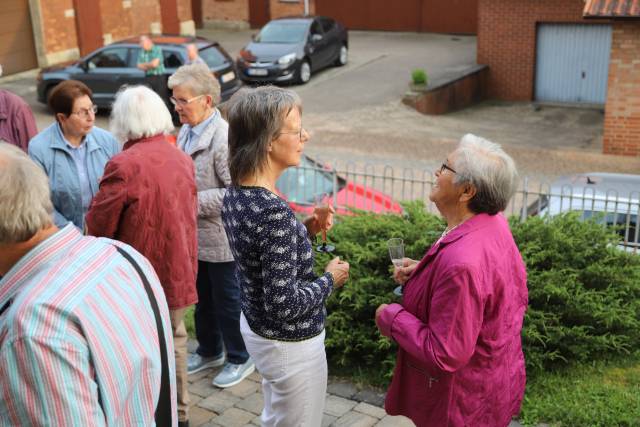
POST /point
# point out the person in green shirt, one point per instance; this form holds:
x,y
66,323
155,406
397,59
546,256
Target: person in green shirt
x,y
151,61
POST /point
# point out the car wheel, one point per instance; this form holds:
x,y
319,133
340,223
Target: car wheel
x,y
343,56
304,72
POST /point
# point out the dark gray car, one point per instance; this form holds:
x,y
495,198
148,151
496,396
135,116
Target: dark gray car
x,y
291,49
106,69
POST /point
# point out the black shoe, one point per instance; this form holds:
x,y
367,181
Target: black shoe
x,y
183,423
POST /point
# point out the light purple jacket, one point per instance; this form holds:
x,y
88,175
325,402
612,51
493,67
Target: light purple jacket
x,y
460,361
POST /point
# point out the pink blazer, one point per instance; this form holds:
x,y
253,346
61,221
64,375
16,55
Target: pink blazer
x,y
460,361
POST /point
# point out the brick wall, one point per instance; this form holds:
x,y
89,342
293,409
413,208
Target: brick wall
x,y
622,112
225,10
116,20
279,8
507,41
59,31
145,16
184,10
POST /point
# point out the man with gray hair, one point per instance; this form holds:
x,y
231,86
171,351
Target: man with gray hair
x,y
82,319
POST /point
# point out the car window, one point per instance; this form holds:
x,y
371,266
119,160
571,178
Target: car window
x,y
316,28
110,58
172,59
282,32
212,56
327,24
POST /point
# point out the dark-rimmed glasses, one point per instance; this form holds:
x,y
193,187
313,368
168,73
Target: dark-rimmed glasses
x,y
445,167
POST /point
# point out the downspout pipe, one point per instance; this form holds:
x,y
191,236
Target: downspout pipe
x,y
306,7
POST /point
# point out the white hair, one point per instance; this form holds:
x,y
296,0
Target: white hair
x,y
492,171
138,112
26,206
198,78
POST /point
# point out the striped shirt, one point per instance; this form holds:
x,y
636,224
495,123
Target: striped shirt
x,y
78,342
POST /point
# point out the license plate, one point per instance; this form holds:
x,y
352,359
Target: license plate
x,y
257,72
227,77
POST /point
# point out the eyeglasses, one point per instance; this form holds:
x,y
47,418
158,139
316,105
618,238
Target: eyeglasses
x,y
293,132
183,102
86,112
445,167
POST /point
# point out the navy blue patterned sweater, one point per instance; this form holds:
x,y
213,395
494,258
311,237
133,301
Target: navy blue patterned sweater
x,y
281,297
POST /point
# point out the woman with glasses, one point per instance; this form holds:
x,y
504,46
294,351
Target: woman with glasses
x,y
72,152
203,136
283,311
460,360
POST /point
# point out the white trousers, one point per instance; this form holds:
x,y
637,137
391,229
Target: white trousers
x,y
294,378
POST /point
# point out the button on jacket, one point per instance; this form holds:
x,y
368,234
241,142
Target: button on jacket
x,y
147,199
49,149
460,360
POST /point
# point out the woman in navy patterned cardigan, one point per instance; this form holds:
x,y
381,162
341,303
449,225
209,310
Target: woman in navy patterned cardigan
x,y
283,312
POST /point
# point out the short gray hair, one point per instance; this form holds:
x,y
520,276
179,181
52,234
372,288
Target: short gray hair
x,y
198,78
138,112
492,171
26,206
255,117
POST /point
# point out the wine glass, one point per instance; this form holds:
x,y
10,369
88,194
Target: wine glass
x,y
321,208
396,253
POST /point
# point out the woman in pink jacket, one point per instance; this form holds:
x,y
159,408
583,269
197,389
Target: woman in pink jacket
x,y
460,361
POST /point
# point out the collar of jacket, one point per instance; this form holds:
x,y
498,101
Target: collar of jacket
x,y
155,138
472,224
205,138
59,143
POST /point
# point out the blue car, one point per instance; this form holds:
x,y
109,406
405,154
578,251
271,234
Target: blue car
x,y
106,69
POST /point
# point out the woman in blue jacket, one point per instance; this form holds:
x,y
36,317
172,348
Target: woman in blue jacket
x,y
72,152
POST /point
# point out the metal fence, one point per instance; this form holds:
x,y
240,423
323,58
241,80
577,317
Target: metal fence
x,y
379,188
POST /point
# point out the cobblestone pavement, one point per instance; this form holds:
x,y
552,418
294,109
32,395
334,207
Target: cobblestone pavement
x,y
241,405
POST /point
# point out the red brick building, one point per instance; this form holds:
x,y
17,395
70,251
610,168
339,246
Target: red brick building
x,y
40,33
567,51
444,16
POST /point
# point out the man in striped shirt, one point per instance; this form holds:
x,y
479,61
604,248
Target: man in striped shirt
x,y
78,338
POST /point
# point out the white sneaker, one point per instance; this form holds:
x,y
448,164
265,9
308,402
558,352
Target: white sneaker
x,y
233,374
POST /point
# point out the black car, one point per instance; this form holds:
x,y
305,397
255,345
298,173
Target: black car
x,y
106,69
290,49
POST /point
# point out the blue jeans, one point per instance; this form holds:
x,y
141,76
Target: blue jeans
x,y
217,314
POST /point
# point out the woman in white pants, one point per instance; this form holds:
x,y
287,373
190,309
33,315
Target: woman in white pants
x,y
282,300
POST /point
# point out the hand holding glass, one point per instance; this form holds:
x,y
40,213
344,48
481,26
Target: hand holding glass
x,y
323,213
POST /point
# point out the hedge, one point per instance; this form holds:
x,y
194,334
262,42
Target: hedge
x,y
584,293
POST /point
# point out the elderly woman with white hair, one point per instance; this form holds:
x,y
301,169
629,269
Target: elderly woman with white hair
x,y
203,136
147,199
460,360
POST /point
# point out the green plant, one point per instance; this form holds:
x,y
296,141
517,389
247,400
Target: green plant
x,y
419,76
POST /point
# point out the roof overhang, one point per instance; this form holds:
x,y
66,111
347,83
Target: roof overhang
x,y
611,9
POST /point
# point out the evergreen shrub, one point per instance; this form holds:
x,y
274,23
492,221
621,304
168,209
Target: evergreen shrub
x,y
584,293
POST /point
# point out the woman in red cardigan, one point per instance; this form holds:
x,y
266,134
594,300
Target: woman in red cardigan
x,y
147,199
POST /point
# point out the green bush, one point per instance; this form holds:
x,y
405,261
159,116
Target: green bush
x,y
419,77
584,293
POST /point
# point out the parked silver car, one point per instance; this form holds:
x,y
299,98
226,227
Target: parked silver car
x,y
609,198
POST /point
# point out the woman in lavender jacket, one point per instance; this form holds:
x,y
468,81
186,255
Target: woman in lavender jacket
x,y
460,361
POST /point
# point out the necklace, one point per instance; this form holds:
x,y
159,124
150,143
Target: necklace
x,y
450,229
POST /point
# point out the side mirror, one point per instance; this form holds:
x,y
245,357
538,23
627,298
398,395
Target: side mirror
x,y
315,38
84,65
253,36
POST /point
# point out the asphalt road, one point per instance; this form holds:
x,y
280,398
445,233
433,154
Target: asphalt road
x,y
355,112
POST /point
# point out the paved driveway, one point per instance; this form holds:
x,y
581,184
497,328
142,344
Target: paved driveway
x,y
354,112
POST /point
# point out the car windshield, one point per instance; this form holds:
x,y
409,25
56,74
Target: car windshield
x,y
282,32
301,184
212,56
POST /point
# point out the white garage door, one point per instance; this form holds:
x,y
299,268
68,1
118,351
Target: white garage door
x,y
572,63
